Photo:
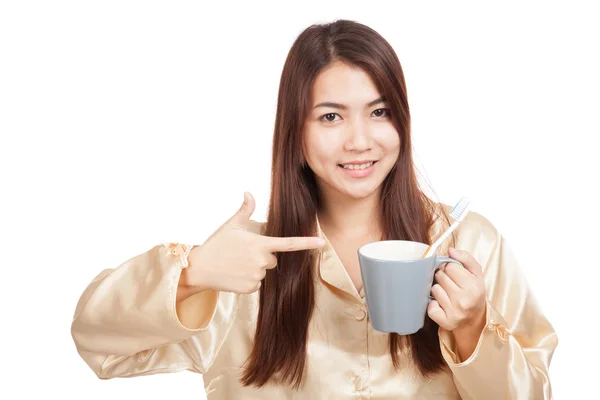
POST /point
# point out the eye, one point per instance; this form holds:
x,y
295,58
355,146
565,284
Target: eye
x,y
329,117
382,113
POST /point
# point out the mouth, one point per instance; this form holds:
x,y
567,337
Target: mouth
x,y
358,166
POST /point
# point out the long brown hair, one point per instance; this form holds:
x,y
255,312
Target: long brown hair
x,y
287,293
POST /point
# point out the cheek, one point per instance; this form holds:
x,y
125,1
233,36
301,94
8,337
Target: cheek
x,y
389,140
319,147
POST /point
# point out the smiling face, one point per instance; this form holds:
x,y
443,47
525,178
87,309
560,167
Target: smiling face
x,y
349,140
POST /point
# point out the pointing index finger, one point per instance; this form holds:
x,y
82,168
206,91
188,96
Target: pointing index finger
x,y
294,243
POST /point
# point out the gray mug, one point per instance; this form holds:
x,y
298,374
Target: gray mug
x,y
397,283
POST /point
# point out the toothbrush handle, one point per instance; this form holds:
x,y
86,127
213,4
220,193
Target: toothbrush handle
x,y
435,245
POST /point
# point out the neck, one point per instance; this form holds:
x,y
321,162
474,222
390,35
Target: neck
x,y
343,216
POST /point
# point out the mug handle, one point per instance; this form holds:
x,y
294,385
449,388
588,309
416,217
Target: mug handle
x,y
442,260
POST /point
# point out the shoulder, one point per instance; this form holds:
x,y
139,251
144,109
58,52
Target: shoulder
x,y
476,233
474,221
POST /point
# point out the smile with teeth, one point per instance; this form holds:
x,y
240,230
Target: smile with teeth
x,y
357,166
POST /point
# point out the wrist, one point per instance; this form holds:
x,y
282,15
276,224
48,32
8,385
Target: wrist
x,y
474,327
467,336
193,277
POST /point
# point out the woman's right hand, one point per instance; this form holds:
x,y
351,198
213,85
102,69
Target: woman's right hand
x,y
234,259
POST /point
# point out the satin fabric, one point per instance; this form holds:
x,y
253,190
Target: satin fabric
x,y
127,324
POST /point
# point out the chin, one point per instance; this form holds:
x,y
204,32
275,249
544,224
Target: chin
x,y
359,193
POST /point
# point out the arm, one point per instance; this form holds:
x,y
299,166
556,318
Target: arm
x,y
128,322
513,352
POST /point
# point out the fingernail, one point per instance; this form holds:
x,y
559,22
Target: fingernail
x,y
320,242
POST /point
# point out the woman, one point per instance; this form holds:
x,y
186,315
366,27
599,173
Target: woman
x,y
277,310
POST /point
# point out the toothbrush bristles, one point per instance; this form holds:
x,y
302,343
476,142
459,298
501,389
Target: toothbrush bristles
x,y
459,210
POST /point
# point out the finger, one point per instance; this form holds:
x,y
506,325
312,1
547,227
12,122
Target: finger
x,y
467,260
248,287
260,274
293,243
243,214
438,292
459,275
446,283
436,313
272,262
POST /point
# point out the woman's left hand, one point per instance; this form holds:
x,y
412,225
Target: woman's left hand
x,y
460,304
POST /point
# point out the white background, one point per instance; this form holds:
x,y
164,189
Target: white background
x,y
125,124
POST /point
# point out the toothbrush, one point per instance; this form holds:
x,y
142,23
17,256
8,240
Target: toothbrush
x,y
459,212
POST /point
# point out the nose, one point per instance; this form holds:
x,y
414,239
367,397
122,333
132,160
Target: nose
x,y
358,137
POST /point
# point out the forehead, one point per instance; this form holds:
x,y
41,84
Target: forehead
x,y
343,83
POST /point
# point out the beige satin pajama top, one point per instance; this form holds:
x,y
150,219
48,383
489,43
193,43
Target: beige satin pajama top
x,y
126,324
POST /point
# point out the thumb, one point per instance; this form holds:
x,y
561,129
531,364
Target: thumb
x,y
467,260
242,216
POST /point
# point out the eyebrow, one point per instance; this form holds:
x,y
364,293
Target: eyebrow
x,y
331,104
